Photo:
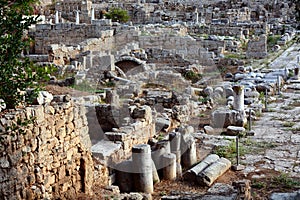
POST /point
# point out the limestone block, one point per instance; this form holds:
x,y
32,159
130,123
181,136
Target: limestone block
x,y
188,148
43,97
105,149
69,128
222,118
61,172
116,136
39,114
159,149
209,130
235,130
49,180
4,163
61,132
15,158
78,123
169,163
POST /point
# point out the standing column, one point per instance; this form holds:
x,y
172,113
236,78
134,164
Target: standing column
x,y
238,94
175,139
296,72
93,14
77,17
142,165
56,17
197,16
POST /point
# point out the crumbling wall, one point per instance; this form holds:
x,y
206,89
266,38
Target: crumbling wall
x,y
117,144
43,153
71,34
257,48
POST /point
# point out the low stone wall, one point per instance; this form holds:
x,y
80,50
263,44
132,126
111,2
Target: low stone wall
x,y
71,34
42,153
257,48
117,144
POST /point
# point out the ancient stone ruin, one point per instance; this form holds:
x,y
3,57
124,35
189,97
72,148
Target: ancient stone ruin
x,y
151,101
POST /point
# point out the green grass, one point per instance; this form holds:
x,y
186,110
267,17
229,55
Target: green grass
x,y
272,40
87,87
286,181
229,151
202,115
295,130
192,76
287,107
258,184
288,124
252,146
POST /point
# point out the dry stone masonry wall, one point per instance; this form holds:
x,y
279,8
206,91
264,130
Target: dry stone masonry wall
x,y
42,154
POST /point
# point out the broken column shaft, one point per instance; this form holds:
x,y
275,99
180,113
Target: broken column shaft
x,y
189,157
142,163
238,94
214,171
192,173
175,139
169,170
161,147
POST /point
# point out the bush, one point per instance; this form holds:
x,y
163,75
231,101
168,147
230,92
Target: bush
x,y
17,73
272,40
192,76
117,15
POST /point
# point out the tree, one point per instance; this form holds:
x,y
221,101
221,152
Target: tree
x,y
117,15
17,73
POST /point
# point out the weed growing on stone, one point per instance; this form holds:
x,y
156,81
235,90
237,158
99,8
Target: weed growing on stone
x,y
288,124
295,103
294,130
280,117
202,115
285,180
252,146
288,107
229,151
258,184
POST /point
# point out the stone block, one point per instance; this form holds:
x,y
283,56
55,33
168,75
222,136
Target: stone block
x,y
222,118
235,130
105,149
116,136
49,180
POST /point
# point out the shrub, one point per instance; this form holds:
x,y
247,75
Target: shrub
x,y
17,73
117,15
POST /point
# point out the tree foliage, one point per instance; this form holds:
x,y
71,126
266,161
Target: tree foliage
x,y
17,73
117,15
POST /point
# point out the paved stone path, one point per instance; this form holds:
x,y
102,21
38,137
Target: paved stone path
x,y
276,144
288,58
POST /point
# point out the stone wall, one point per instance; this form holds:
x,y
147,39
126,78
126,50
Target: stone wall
x,y
44,152
257,48
70,34
118,142
238,30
